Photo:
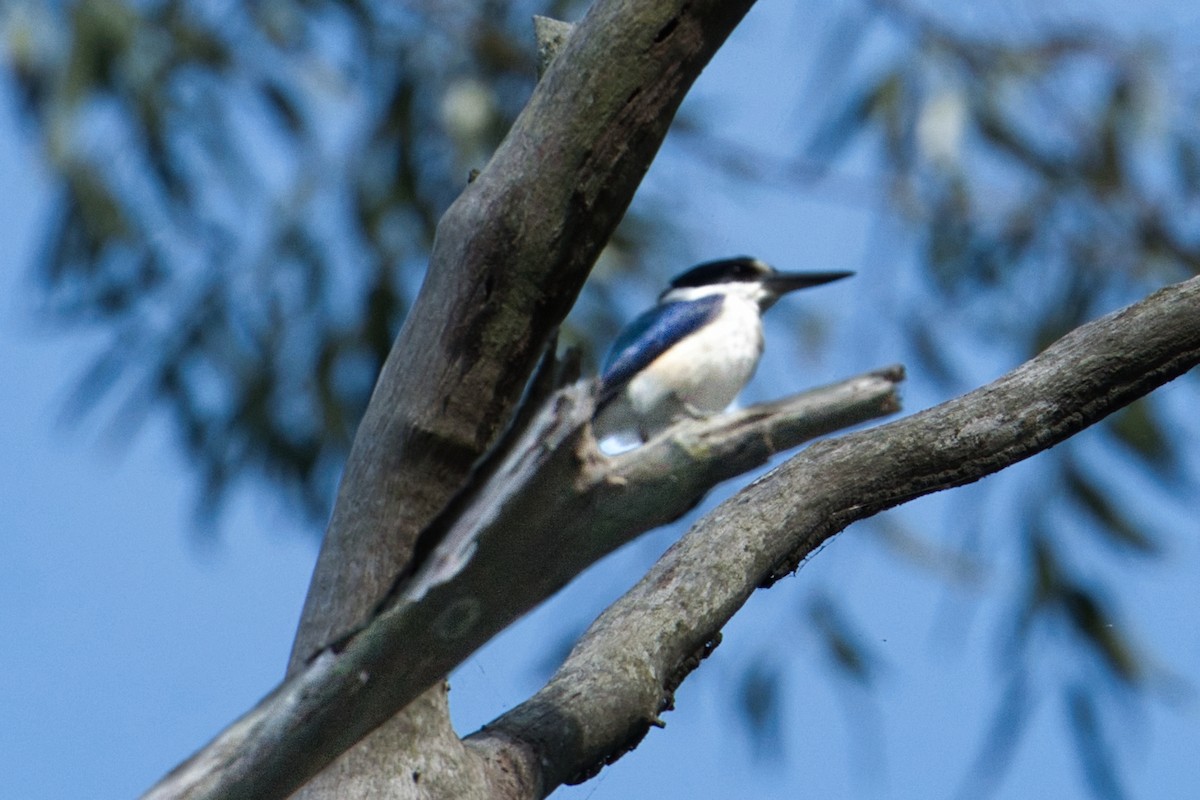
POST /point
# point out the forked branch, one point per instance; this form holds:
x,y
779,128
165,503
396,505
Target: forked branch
x,y
552,506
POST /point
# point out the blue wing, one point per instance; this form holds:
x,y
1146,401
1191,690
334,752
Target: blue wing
x,y
648,337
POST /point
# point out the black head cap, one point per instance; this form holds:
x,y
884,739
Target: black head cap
x,y
726,270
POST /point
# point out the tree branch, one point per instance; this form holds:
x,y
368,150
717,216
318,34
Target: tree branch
x,y
623,672
509,258
551,507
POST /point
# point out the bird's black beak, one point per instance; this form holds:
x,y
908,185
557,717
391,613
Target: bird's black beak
x,y
781,283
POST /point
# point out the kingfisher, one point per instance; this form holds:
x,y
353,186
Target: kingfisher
x,y
692,353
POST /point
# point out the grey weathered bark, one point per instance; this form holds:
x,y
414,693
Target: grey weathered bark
x,y
551,506
509,258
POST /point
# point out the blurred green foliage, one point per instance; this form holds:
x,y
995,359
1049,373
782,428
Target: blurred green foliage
x,y
248,196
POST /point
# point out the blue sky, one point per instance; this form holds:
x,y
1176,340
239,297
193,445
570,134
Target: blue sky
x,y
129,640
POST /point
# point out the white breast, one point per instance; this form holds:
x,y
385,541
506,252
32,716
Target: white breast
x,y
704,372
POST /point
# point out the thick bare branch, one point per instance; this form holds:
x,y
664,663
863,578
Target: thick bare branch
x,y
554,505
623,672
509,258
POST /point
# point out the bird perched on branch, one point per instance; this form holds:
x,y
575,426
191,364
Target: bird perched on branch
x,y
691,354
